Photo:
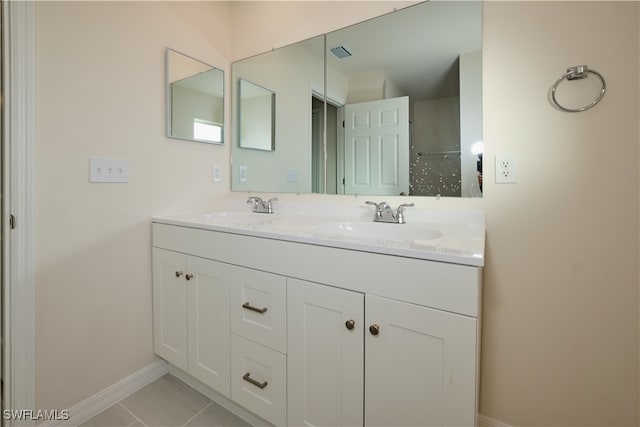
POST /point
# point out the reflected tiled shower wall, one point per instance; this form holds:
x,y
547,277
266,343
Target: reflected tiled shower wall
x,y
433,174
435,163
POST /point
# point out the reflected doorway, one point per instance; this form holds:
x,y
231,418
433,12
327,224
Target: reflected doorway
x,y
324,175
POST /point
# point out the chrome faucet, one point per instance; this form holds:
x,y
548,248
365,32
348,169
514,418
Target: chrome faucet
x,y
384,213
260,206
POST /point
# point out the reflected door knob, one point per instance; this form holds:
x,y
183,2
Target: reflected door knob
x,y
350,324
374,329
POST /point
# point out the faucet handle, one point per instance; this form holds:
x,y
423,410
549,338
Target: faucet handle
x,y
378,214
379,206
400,212
270,205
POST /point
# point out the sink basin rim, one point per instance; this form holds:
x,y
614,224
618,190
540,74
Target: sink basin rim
x,y
377,231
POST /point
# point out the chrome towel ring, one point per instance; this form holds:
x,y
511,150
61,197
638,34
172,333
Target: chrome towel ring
x,y
577,73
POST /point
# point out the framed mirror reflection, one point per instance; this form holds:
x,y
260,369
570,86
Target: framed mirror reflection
x,y
256,119
401,113
195,99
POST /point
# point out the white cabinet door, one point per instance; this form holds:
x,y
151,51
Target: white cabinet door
x,y
170,306
209,331
420,366
325,355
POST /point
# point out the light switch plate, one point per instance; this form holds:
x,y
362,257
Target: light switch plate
x,y
292,176
217,173
103,169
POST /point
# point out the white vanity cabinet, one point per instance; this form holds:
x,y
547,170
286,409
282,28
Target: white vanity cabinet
x,y
191,316
416,363
324,335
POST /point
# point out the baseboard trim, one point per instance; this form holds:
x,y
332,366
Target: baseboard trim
x,y
483,421
111,395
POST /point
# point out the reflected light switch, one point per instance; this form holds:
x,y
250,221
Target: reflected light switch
x,y
292,176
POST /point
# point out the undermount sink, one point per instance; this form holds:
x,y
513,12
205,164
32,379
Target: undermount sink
x,y
237,218
378,230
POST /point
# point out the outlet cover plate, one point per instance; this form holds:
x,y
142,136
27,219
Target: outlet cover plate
x,y
506,166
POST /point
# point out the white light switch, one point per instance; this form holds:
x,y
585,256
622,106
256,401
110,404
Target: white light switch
x,y
242,171
217,173
108,170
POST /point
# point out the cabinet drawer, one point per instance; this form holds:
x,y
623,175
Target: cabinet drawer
x,y
258,379
259,307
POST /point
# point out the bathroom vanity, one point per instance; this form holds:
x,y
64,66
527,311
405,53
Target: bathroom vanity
x,y
324,319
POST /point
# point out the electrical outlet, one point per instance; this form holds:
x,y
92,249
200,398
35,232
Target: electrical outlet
x,y
506,168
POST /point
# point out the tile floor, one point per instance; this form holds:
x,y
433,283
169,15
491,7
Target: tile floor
x,y
167,402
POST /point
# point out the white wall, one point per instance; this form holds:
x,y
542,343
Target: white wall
x,y
101,92
561,327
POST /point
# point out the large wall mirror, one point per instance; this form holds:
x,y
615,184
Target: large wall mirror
x,y
195,99
401,113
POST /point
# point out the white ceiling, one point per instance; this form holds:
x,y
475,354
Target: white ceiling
x,y
416,47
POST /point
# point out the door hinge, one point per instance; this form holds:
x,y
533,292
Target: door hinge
x,y
12,221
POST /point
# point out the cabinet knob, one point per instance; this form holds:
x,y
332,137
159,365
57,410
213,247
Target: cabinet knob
x,y
189,276
374,329
179,273
350,324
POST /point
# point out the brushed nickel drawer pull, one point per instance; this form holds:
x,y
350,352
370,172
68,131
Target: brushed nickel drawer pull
x,y
248,306
189,276
179,273
247,377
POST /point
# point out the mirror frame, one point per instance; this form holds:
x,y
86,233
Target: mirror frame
x,y
169,99
272,110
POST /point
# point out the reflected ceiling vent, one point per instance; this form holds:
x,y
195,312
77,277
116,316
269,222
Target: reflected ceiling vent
x,y
340,52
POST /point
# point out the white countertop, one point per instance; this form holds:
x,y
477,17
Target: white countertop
x,y
453,236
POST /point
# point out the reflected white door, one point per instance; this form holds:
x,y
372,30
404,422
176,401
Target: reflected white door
x,y
377,147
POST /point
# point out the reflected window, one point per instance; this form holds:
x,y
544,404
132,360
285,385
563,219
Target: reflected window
x,y
207,131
